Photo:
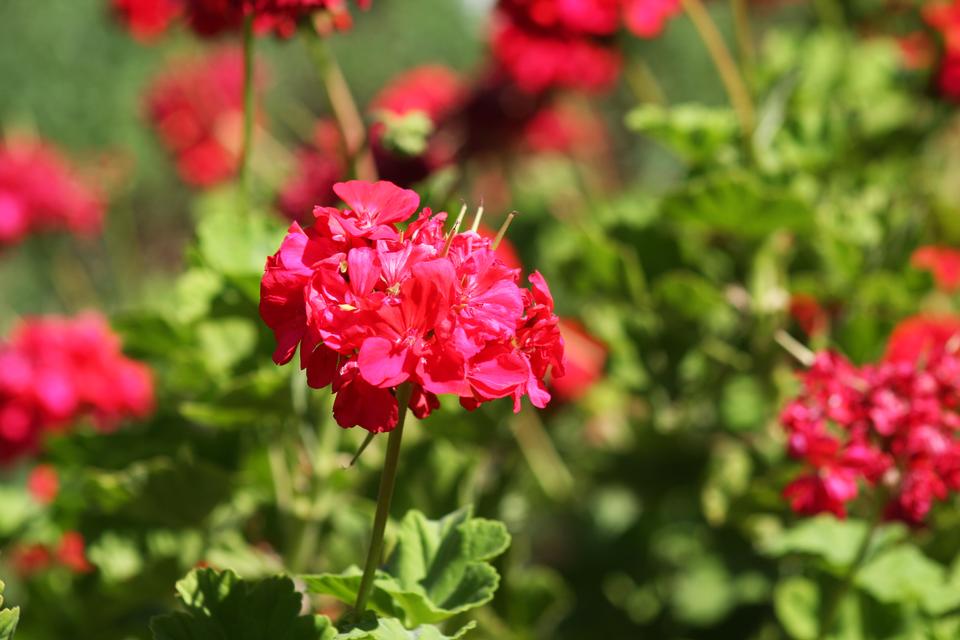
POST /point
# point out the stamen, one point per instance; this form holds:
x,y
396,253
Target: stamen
x,y
503,229
455,229
477,218
794,347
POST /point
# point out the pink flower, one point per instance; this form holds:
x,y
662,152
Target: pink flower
x,y
894,423
147,19
197,109
55,371
40,193
942,262
371,308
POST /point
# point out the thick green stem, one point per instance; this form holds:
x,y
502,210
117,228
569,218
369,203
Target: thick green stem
x,y
388,479
833,606
726,66
249,106
343,105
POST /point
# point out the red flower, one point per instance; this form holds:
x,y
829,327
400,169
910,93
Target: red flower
x,y
812,318
563,129
43,483
197,109
922,337
585,359
647,18
944,17
371,307
209,18
30,559
71,553
893,423
942,262
437,93
147,19
54,371
39,192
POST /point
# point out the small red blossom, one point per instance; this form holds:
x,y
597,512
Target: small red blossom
x,y
43,483
372,307
942,262
807,312
39,192
55,371
147,19
893,424
564,129
944,17
72,553
30,559
648,18
196,107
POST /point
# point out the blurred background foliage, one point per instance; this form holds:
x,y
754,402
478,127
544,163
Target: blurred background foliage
x,y
648,508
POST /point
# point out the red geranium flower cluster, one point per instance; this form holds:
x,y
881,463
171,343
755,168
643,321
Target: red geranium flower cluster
x,y
891,427
372,307
39,192
544,44
54,371
147,19
944,17
197,109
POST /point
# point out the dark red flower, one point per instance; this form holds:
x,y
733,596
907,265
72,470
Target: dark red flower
x,y
586,357
372,307
807,312
40,193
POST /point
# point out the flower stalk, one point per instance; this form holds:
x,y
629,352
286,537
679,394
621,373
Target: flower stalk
x,y
388,480
249,107
730,74
344,107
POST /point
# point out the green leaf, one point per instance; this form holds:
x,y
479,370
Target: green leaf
x,y
797,603
229,242
835,541
738,203
8,618
373,628
171,492
694,132
221,606
438,569
901,574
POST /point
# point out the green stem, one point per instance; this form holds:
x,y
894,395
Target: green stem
x,y
744,32
726,66
343,105
249,107
388,479
833,607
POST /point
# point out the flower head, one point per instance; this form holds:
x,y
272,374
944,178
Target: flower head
x,y
372,306
886,430
40,192
55,371
942,262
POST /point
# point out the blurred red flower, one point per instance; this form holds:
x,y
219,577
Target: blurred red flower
x,y
147,19
585,358
40,192
319,166
942,262
43,483
922,337
196,107
55,371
